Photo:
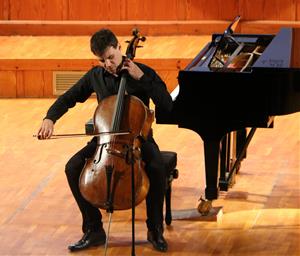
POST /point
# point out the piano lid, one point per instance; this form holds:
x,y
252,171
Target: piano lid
x,y
278,53
283,51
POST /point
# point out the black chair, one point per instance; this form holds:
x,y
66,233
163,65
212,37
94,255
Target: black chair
x,y
170,161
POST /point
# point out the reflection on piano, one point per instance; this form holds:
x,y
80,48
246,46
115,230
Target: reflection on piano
x,y
236,81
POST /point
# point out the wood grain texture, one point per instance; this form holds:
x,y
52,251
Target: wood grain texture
x,y
119,10
268,10
122,28
27,63
38,215
154,17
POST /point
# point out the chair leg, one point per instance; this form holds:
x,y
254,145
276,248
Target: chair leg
x,y
168,217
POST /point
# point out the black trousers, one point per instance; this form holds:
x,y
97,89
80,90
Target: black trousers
x,y
91,216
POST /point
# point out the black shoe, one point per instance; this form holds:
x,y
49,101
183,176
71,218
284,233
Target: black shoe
x,y
155,237
89,239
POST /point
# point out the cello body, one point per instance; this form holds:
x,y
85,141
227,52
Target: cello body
x,y
106,180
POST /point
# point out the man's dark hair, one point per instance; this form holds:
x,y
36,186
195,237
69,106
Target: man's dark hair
x,y
101,40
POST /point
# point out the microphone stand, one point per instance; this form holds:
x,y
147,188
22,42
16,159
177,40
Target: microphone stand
x,y
132,203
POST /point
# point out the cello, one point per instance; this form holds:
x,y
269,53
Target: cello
x,y
105,180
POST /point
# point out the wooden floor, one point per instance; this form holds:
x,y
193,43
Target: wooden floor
x,y
38,215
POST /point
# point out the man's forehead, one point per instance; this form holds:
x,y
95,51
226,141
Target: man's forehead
x,y
108,51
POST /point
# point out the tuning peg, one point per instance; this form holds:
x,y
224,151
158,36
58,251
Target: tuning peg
x,y
135,31
143,39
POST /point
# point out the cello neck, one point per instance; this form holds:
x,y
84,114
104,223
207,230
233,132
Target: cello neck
x,y
130,54
118,113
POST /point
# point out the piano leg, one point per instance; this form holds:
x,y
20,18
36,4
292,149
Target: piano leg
x,y
212,168
240,142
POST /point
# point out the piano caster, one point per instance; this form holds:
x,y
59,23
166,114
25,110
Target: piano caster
x,y
204,206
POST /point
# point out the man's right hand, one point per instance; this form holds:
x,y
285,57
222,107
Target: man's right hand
x,y
46,130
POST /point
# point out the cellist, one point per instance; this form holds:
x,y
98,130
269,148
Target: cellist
x,y
142,82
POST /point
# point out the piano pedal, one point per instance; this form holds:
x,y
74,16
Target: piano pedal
x,y
238,168
204,206
232,181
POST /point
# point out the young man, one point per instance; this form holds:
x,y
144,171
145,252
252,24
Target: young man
x,y
143,83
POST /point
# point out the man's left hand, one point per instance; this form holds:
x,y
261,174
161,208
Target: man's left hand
x,y
134,71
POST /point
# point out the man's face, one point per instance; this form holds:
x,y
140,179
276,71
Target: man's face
x,y
111,58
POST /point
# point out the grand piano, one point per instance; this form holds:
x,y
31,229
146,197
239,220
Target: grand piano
x,y
236,81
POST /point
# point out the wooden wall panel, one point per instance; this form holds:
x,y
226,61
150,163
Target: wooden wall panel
x,y
8,84
4,10
95,10
55,9
20,85
26,81
211,10
153,10
31,12
121,28
156,10
267,10
48,83
39,9
122,11
297,10
296,52
32,84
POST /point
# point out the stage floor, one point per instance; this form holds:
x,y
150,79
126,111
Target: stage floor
x,y
38,215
